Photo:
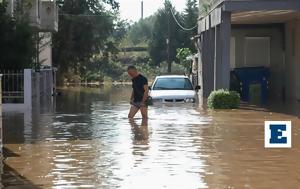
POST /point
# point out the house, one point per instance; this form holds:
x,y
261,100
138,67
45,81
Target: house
x,y
43,17
250,33
23,89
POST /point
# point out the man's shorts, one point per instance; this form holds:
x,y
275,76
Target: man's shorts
x,y
138,104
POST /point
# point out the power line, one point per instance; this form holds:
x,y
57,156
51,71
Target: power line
x,y
183,28
83,15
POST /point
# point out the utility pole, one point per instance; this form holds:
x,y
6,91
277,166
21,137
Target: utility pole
x,y
168,45
142,10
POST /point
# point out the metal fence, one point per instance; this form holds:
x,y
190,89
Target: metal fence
x,y
12,86
22,88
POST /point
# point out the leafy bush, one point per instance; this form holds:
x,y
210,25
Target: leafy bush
x,y
223,99
182,56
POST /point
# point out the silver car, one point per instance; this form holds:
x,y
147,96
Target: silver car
x,y
173,88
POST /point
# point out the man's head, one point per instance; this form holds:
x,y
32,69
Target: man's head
x,y
132,71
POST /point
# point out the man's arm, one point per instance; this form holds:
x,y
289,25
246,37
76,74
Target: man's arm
x,y
145,96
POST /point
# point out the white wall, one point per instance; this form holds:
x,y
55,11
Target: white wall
x,y
45,57
33,6
49,15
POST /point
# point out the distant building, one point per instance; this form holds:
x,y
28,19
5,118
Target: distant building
x,y
250,33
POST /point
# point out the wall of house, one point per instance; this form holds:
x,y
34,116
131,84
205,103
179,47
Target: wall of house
x,y
33,6
292,76
49,16
275,32
45,49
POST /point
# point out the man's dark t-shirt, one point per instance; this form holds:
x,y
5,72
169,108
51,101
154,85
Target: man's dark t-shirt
x,y
138,87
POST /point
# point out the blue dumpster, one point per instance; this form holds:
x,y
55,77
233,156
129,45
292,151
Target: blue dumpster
x,y
253,75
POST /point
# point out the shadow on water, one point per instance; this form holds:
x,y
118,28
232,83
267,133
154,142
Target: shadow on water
x,y
140,132
11,178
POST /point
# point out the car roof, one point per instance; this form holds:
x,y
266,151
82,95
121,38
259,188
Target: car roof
x,y
171,76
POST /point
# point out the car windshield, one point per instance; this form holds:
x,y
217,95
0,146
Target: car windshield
x,y
172,84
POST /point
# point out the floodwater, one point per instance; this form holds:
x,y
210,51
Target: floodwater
x,y
84,140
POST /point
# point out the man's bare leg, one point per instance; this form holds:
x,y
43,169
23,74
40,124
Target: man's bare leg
x,y
144,122
132,112
144,112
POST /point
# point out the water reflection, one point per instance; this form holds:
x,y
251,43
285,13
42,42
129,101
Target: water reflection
x,y
86,141
140,133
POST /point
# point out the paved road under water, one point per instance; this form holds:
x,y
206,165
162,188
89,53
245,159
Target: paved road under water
x,y
84,140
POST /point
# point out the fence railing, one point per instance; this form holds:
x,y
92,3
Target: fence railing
x,y
26,86
12,86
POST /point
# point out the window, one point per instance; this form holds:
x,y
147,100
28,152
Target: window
x,y
257,51
173,84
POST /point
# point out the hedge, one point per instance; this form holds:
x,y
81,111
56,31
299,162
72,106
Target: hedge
x,y
223,99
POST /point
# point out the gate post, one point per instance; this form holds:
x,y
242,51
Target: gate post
x,y
28,88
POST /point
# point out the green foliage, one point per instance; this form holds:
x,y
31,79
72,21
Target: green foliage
x,y
141,31
205,6
17,41
147,70
120,30
90,46
84,29
176,68
223,99
182,55
116,71
190,19
165,28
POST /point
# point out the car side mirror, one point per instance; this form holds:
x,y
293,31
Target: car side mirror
x,y
197,88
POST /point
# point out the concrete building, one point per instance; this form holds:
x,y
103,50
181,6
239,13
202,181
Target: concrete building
x,y
21,90
43,17
250,33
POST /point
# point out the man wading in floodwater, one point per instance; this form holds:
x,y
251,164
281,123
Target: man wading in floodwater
x,y
139,94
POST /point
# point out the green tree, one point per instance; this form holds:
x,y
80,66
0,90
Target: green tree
x,y
84,29
140,31
190,17
204,6
165,28
17,41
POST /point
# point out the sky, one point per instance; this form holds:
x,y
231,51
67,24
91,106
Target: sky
x,y
131,9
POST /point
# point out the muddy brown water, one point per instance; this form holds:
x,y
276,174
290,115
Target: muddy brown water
x,y
84,140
